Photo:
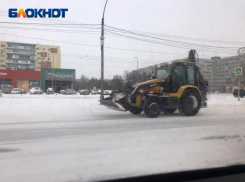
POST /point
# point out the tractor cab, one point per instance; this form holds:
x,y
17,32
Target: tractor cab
x,y
179,73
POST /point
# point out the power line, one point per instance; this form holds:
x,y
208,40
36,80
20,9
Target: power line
x,y
113,32
160,43
130,32
113,48
182,37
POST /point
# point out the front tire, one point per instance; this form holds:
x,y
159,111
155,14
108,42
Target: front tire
x,y
152,107
135,110
190,103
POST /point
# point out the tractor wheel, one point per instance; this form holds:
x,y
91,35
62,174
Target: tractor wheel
x,y
169,110
135,110
152,107
190,103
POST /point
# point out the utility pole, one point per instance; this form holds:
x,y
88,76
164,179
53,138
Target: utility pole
x,y
240,52
137,68
102,54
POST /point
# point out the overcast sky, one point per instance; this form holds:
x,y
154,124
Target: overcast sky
x,y
216,23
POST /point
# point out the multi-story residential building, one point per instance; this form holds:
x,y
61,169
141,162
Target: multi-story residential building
x,y
3,55
22,56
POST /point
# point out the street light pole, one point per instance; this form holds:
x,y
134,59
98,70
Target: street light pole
x,y
102,54
137,68
240,51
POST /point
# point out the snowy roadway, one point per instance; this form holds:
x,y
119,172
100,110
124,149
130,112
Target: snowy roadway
x,y
73,138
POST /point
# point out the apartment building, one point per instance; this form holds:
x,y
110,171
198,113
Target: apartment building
x,y
219,72
22,56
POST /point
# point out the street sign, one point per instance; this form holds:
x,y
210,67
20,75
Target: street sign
x,y
238,71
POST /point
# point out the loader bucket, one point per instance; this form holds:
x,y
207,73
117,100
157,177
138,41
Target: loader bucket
x,y
118,101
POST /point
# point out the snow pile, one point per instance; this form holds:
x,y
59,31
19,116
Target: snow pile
x,y
224,99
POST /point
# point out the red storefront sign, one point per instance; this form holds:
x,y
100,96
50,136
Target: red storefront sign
x,y
16,75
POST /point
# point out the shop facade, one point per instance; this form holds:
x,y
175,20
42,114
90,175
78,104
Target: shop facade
x,y
21,78
57,78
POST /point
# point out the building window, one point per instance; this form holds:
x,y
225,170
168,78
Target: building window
x,y
2,55
44,49
2,45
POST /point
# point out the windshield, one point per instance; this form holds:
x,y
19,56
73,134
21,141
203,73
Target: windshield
x,y
94,90
163,72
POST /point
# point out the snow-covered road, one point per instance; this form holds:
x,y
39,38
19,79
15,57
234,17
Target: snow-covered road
x,y
73,138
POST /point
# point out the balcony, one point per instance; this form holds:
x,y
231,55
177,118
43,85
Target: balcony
x,y
20,59
22,48
20,62
20,67
21,53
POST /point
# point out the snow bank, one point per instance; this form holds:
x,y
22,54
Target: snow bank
x,y
224,99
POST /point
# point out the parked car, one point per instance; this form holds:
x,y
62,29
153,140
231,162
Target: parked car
x,y
242,93
23,91
36,90
62,91
84,92
106,92
79,91
69,92
6,88
98,91
93,92
49,91
18,91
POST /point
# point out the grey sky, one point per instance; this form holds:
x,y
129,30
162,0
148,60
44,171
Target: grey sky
x,y
206,19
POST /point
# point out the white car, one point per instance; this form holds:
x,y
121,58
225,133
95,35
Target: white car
x,y
50,91
17,91
98,91
36,90
93,92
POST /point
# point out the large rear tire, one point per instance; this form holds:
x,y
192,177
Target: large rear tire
x,y
135,110
169,110
190,102
152,107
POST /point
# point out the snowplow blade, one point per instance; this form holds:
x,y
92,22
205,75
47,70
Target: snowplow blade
x,y
117,101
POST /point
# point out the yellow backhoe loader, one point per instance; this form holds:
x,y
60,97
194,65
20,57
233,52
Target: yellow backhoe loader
x,y
175,85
